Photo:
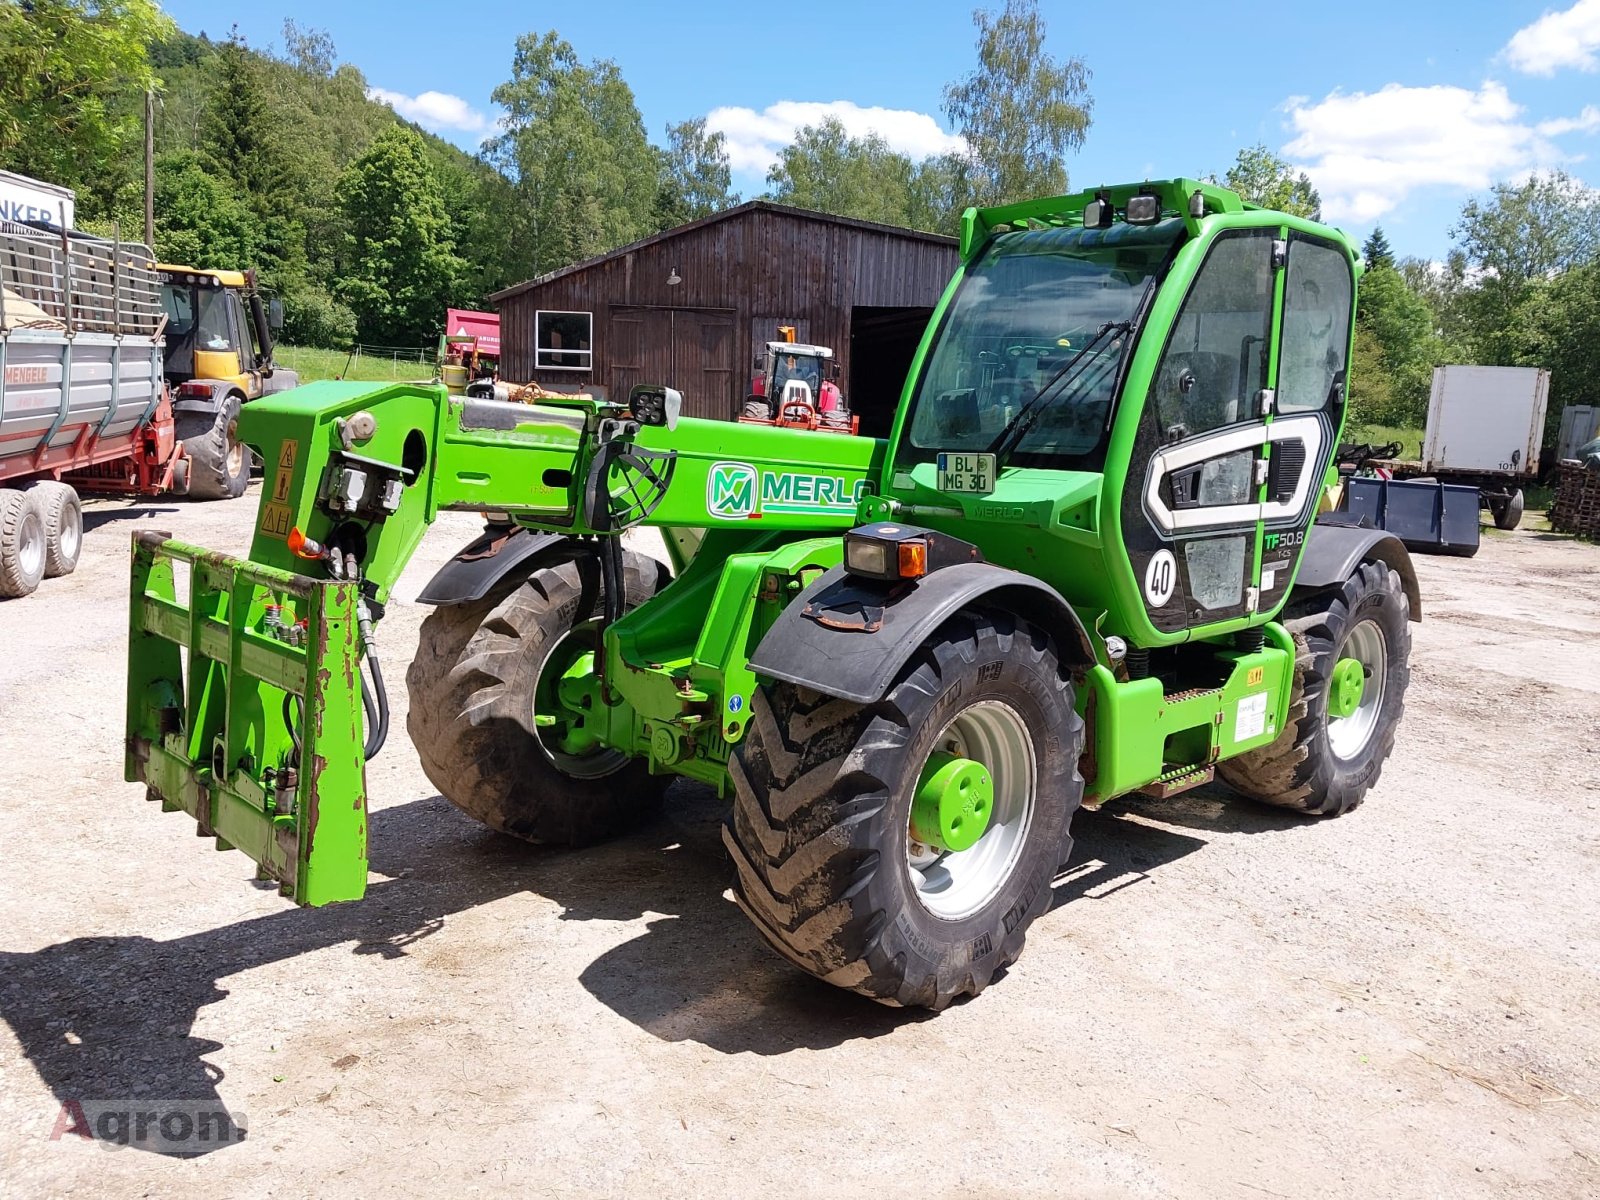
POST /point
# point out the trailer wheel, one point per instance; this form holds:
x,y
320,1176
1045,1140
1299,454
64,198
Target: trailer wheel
x,y
901,849
22,543
487,715
63,527
219,463
1507,513
1349,694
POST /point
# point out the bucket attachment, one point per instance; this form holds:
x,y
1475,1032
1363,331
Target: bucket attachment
x,y
244,710
1428,516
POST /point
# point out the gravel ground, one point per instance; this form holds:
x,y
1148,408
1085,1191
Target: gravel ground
x,y
1403,1002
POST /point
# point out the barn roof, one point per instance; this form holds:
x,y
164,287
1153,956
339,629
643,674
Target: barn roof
x,y
749,206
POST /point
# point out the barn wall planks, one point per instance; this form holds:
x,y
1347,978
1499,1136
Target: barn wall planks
x,y
742,273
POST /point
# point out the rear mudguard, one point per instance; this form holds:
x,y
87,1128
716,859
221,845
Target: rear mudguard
x,y
488,559
848,637
1334,551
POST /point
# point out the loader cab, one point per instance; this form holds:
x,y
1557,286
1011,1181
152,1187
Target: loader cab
x,y
210,333
1137,412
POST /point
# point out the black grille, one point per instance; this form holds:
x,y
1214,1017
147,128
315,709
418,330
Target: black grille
x,y
1288,463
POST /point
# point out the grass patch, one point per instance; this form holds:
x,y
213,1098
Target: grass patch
x,y
314,364
1409,437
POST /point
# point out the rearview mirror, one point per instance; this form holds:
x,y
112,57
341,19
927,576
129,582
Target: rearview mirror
x,y
275,313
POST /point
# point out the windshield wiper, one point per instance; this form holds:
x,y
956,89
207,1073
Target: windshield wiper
x,y
1008,438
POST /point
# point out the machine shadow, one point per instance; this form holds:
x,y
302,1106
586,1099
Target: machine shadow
x,y
94,516
112,1017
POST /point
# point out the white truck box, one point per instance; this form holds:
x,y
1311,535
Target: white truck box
x,y
1486,420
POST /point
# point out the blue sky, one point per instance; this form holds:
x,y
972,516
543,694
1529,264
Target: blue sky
x,y
1400,111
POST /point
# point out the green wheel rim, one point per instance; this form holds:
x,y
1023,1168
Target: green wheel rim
x,y
989,747
1368,650
563,715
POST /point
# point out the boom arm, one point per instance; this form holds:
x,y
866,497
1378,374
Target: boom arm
x,y
260,733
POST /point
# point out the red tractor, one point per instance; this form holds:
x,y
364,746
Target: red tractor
x,y
794,389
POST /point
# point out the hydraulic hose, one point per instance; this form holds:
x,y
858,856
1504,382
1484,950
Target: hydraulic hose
x,y
378,698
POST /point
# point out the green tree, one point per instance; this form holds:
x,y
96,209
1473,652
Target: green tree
x,y
695,177
200,221
1522,235
574,145
1557,326
1376,252
1263,178
826,169
1371,390
73,75
1401,326
1021,111
402,270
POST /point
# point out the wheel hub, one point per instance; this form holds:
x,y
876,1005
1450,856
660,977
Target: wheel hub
x,y
971,810
1349,681
953,802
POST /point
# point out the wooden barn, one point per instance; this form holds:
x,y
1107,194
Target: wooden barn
x,y
694,307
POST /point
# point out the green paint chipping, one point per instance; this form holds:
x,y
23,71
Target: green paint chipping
x,y
953,803
1344,693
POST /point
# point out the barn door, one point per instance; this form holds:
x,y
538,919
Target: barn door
x,y
641,348
684,348
702,363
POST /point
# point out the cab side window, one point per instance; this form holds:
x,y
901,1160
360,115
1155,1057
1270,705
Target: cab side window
x,y
1216,359
1316,326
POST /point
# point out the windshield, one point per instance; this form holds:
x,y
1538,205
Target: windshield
x,y
1034,302
804,367
179,305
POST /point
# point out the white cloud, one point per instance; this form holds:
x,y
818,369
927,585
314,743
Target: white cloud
x,y
1588,121
1570,38
754,138
1366,151
434,110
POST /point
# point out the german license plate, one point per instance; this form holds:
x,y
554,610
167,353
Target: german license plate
x,y
970,474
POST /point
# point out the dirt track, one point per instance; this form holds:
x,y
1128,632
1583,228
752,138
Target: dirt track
x,y
1403,1002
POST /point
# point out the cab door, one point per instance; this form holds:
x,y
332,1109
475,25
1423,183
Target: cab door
x,y
1192,508
1308,401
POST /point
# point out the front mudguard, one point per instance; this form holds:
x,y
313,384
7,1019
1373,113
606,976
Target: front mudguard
x,y
487,560
849,637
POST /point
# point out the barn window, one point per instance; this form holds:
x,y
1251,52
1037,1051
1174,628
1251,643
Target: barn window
x,y
563,341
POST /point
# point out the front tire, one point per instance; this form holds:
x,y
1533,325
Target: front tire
x,y
1327,759
219,463
822,832
482,672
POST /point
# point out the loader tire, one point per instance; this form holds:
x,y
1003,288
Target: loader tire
x,y
821,830
474,685
63,527
219,463
22,543
1324,765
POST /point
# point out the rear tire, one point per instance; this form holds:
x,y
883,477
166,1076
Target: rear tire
x,y
819,831
219,464
473,685
1322,765
22,543
1508,513
63,527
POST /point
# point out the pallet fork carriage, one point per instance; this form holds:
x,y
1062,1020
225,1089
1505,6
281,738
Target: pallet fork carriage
x,y
1082,565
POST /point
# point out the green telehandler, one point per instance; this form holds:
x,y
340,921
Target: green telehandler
x,y
1086,562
